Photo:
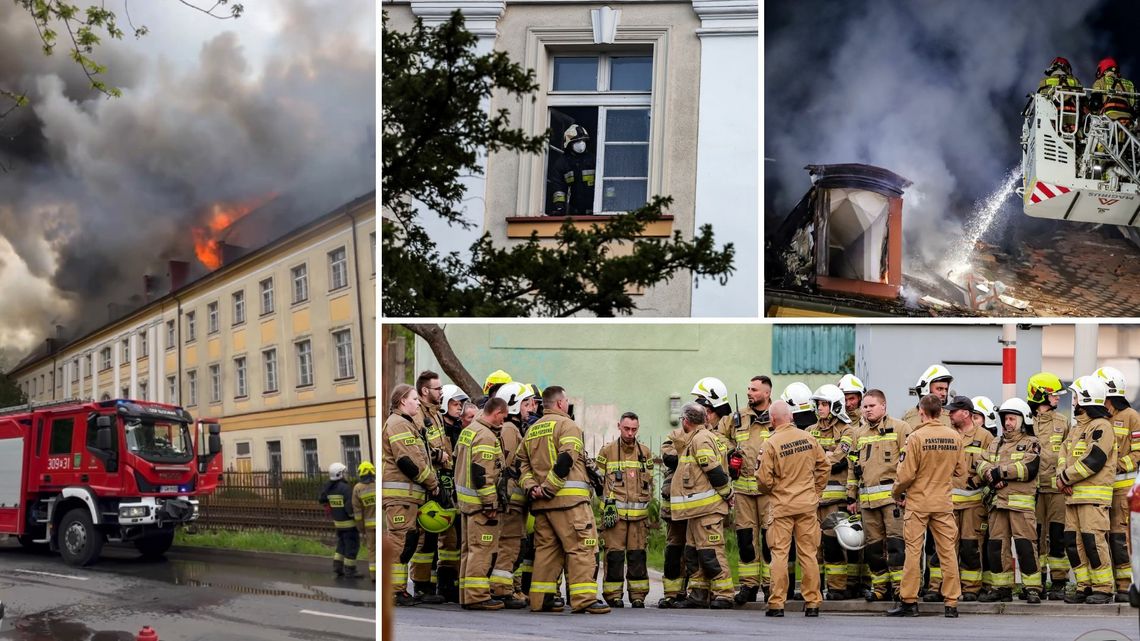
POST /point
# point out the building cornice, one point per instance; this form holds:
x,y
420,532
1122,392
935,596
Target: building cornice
x,y
727,17
481,16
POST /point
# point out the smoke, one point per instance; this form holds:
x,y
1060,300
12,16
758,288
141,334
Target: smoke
x,y
96,192
929,89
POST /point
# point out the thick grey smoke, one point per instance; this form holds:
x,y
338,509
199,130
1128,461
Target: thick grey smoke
x,y
930,89
96,192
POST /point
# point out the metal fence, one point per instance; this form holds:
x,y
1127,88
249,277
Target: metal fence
x,y
284,502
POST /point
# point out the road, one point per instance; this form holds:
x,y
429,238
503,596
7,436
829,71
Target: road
x,y
193,597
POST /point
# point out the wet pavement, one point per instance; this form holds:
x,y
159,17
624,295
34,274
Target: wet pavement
x,y
187,597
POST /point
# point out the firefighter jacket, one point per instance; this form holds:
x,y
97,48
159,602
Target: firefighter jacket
x,y
629,477
932,460
1058,81
912,418
793,468
551,457
856,419
510,438
671,449
834,436
364,504
873,462
406,473
479,462
1088,461
430,421
1051,428
573,184
1112,84
748,437
451,429
338,496
701,485
1126,428
969,490
1015,456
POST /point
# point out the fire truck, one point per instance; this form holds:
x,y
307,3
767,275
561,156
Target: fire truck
x,y
76,474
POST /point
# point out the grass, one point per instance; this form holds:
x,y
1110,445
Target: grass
x,y
257,541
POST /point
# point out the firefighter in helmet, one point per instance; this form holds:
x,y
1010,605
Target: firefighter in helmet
x,y
1116,100
1051,427
364,511
574,175
337,497
1059,76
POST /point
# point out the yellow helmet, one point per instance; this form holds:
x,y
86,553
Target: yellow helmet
x,y
434,518
495,378
366,469
1041,385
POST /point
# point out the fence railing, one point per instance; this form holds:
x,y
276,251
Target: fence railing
x,y
268,500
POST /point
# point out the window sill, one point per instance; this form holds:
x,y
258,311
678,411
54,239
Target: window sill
x,y
548,226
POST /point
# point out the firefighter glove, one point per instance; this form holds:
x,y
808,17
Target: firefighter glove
x,y
735,461
609,515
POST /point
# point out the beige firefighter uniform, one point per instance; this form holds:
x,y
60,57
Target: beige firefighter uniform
x,y
551,457
1088,465
970,514
794,469
1014,459
438,554
512,519
834,436
932,461
913,420
406,479
1126,427
628,472
749,505
1051,428
364,511
701,489
480,461
871,474
674,572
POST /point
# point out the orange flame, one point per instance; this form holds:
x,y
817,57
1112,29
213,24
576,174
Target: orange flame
x,y
207,245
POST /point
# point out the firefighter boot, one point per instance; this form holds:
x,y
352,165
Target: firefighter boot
x,y
746,594
425,593
1004,595
447,584
338,567
1057,590
350,572
698,598
903,609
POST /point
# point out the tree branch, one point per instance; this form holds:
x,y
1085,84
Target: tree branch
x,y
436,339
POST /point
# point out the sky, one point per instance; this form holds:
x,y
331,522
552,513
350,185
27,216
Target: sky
x,y
97,191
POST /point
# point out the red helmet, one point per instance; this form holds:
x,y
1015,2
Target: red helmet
x,y
1062,63
1104,65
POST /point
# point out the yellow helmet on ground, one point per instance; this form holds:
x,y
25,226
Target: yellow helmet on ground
x,y
366,469
496,377
1041,385
434,518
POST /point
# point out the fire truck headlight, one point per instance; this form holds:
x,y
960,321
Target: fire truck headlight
x,y
133,512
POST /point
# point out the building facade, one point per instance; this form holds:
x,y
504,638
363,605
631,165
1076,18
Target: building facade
x,y
278,345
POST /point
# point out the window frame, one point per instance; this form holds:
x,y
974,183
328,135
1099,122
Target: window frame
x,y
338,375
333,286
304,268
171,336
105,358
270,370
214,371
213,318
241,377
191,388
191,326
262,291
301,369
237,306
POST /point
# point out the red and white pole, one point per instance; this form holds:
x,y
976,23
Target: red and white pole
x,y
1008,362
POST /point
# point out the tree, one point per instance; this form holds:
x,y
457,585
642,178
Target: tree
x,y
436,339
434,126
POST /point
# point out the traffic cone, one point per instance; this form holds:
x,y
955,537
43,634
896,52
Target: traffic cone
x,y
147,634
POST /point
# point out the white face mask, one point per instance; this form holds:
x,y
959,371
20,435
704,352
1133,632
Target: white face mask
x,y
579,147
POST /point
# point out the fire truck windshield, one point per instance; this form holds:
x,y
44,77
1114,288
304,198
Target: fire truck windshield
x,y
159,441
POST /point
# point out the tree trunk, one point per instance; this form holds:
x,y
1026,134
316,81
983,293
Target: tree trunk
x,y
437,341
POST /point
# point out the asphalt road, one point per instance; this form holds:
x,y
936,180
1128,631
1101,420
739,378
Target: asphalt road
x,y
195,597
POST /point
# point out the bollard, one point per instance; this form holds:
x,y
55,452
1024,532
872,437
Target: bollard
x,y
147,634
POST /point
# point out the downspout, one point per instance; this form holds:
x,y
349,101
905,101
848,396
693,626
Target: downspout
x,y
360,319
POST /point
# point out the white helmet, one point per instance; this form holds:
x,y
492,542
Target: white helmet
x,y
984,406
1020,407
514,394
1089,391
1113,380
712,393
933,374
451,393
833,396
799,396
850,534
336,471
850,384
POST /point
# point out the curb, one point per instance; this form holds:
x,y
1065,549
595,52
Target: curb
x,y
1045,609
250,557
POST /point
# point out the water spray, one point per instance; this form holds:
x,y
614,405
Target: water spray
x,y
980,223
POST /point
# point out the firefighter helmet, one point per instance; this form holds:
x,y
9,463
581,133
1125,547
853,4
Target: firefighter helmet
x,y
1113,380
366,469
1041,385
1089,391
514,393
1021,408
799,396
833,396
712,393
451,393
336,471
1106,65
984,406
1060,63
933,374
574,133
850,384
497,377
434,518
850,533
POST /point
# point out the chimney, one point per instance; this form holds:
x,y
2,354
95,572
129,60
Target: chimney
x,y
179,272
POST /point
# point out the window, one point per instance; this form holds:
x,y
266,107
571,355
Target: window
x,y
269,357
215,383
126,392
212,318
338,269
62,430
304,363
239,307
309,455
75,371
343,341
240,390
813,349
171,390
142,391
350,451
273,452
192,387
242,448
266,296
608,95
372,249
144,345
58,377
300,283
104,359
90,365
125,351
170,334
191,327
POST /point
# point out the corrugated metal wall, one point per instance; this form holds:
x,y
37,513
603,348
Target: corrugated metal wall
x,y
812,349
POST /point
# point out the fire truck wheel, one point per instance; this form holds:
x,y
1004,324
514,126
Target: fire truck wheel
x,y
79,542
155,545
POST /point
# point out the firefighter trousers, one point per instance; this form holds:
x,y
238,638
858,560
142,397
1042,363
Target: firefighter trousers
x,y
835,558
1119,541
1051,537
747,519
402,534
707,564
565,538
437,554
971,523
1021,528
512,526
674,571
885,549
803,531
943,528
1086,542
347,548
368,537
477,557
625,554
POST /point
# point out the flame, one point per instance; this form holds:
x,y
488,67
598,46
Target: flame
x,y
207,244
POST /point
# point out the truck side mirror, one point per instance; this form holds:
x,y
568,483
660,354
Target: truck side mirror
x,y
103,437
103,421
215,444
214,428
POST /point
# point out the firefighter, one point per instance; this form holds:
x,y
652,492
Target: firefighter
x,y
364,511
932,458
746,432
337,499
574,175
435,565
1113,101
491,385
628,467
1126,428
852,388
1010,468
674,571
1059,76
481,462
794,469
871,474
1051,427
407,478
798,396
512,517
1085,472
935,380
553,467
985,415
833,433
451,413
701,496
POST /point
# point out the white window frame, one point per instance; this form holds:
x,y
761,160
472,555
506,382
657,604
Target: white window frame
x,y
304,363
192,388
241,373
172,389
144,349
303,268
267,294
215,373
269,366
105,359
343,262
143,391
213,318
349,370
125,351
237,301
171,339
191,327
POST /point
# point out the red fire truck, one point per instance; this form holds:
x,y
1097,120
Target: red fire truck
x,y
75,474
